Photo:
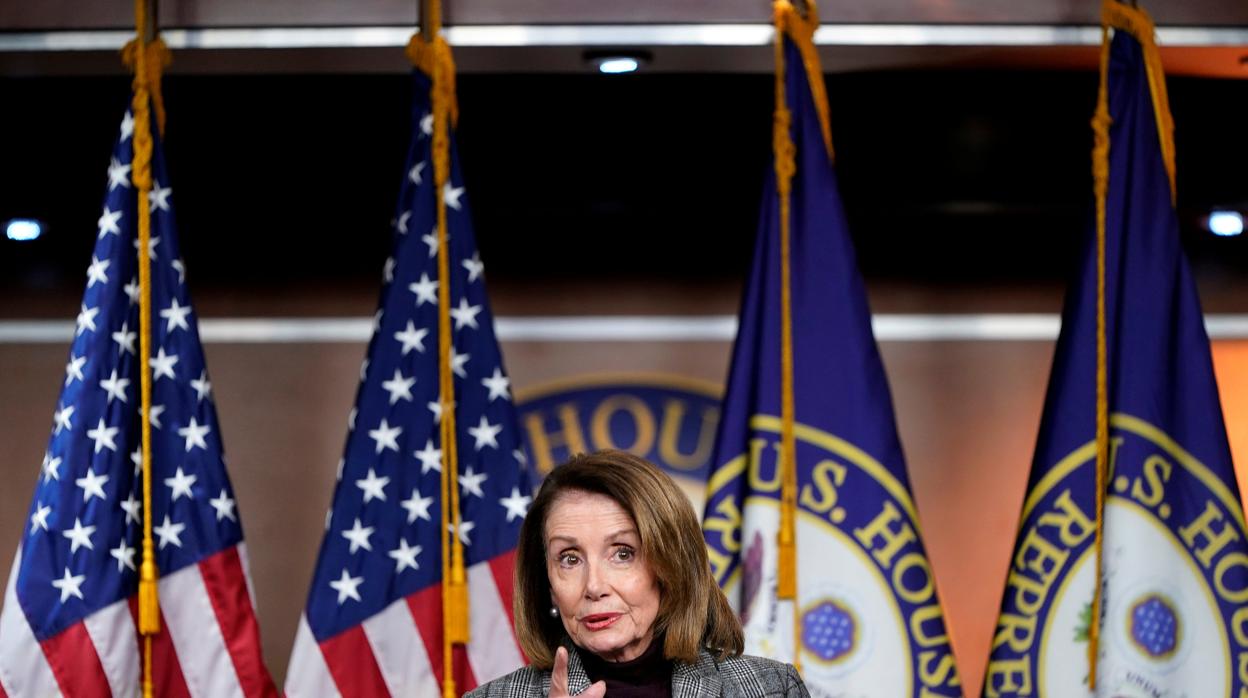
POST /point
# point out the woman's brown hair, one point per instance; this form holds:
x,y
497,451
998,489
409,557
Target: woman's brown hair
x,y
693,612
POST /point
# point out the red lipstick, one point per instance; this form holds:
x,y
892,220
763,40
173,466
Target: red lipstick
x,y
600,621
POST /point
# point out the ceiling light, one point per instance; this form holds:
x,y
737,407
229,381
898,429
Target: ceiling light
x,y
621,64
23,229
617,62
1225,223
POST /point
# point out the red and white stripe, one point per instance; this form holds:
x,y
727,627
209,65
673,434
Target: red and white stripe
x,y
24,671
398,652
209,645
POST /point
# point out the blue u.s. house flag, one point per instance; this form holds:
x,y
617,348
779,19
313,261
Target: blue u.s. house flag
x,y
373,621
1174,618
870,623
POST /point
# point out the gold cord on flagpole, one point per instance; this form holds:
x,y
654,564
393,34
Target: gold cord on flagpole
x,y
430,52
1100,179
801,30
789,22
147,57
784,155
1137,23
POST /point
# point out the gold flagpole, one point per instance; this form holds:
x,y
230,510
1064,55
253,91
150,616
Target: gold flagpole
x,y
147,56
800,29
1136,22
429,51
783,151
1100,178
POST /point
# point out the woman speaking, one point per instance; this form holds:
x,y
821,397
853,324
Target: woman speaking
x,y
614,594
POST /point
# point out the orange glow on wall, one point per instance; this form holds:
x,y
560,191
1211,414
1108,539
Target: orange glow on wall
x,y
1230,363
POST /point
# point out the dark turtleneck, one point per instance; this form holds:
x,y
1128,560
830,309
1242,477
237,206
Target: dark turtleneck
x,y
647,676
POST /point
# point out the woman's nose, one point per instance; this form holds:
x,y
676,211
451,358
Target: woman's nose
x,y
595,581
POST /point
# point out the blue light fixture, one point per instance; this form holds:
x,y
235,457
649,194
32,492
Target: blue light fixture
x,y
1225,223
617,61
616,65
23,229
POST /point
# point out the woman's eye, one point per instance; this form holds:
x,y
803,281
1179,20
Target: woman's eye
x,y
568,559
625,554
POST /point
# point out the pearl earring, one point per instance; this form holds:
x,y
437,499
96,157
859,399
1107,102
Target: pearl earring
x,y
554,612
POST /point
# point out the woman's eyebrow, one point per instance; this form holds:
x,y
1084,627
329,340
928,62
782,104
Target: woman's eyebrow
x,y
610,537
622,533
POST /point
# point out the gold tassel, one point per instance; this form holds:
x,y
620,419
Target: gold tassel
x,y
457,597
149,604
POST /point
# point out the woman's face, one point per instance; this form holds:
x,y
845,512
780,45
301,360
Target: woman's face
x,y
602,585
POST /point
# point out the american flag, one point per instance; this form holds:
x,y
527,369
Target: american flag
x,y
373,621
68,624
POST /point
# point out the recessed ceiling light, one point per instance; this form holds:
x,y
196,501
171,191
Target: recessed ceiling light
x,y
23,229
621,64
1225,223
617,62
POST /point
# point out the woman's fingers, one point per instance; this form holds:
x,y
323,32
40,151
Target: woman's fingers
x,y
559,679
559,675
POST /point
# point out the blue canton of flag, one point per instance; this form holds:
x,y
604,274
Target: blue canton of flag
x,y
69,617
373,622
868,618
1175,576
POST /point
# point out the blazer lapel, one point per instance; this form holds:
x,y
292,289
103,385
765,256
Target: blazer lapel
x,y
696,680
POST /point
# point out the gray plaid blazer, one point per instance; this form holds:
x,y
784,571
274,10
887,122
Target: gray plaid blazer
x,y
734,677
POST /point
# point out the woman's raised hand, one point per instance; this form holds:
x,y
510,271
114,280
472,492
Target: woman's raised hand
x,y
559,679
